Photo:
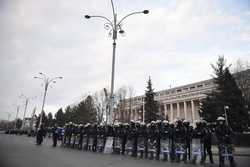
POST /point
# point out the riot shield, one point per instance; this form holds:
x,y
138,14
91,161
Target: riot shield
x,y
226,155
72,141
151,148
108,145
76,143
84,142
100,143
117,145
180,151
140,147
129,146
196,150
165,149
90,143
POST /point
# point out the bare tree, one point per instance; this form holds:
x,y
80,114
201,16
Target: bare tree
x,y
101,99
121,95
242,76
131,93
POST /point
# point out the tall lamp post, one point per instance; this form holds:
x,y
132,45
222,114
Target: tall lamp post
x,y
226,108
27,99
46,81
17,111
114,26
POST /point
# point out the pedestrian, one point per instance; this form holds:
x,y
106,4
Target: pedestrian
x,y
55,135
40,134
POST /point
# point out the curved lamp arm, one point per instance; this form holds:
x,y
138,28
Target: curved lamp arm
x,y
144,12
53,79
113,8
105,18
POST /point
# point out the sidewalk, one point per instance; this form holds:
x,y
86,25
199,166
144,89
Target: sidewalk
x,y
239,151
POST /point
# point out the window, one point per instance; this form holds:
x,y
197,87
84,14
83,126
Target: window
x,y
192,87
199,86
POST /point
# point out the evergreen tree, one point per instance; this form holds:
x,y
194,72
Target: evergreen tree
x,y
68,114
19,123
85,111
44,120
228,94
59,116
151,106
50,120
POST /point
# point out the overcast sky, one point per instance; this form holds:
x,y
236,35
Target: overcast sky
x,y
174,44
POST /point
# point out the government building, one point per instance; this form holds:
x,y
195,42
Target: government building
x,y
181,102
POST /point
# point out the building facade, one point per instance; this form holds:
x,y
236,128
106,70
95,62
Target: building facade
x,y
181,102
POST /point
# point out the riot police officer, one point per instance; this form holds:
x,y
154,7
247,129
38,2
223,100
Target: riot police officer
x,y
179,141
207,140
165,147
65,135
69,135
133,135
122,134
80,127
224,135
188,133
152,140
117,144
141,139
197,143
94,136
100,138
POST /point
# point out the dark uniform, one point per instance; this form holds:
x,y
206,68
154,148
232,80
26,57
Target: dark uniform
x,y
100,138
141,140
224,135
40,135
165,141
117,144
188,138
179,141
152,138
207,140
54,136
80,136
197,143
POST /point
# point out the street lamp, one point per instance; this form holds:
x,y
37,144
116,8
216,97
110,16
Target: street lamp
x,y
46,81
114,26
225,113
27,99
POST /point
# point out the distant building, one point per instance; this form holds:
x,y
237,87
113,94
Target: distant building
x,y
181,102
29,123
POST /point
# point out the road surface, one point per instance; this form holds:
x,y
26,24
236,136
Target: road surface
x,y
21,151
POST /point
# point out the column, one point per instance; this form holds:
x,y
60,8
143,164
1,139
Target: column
x,y
165,110
185,110
192,108
178,110
172,112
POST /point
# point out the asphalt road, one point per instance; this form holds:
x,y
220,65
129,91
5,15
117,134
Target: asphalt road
x,y
21,151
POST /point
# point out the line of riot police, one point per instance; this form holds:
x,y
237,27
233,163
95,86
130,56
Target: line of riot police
x,y
157,140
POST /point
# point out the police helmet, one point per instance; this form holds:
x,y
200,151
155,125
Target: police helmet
x,y
220,119
165,121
